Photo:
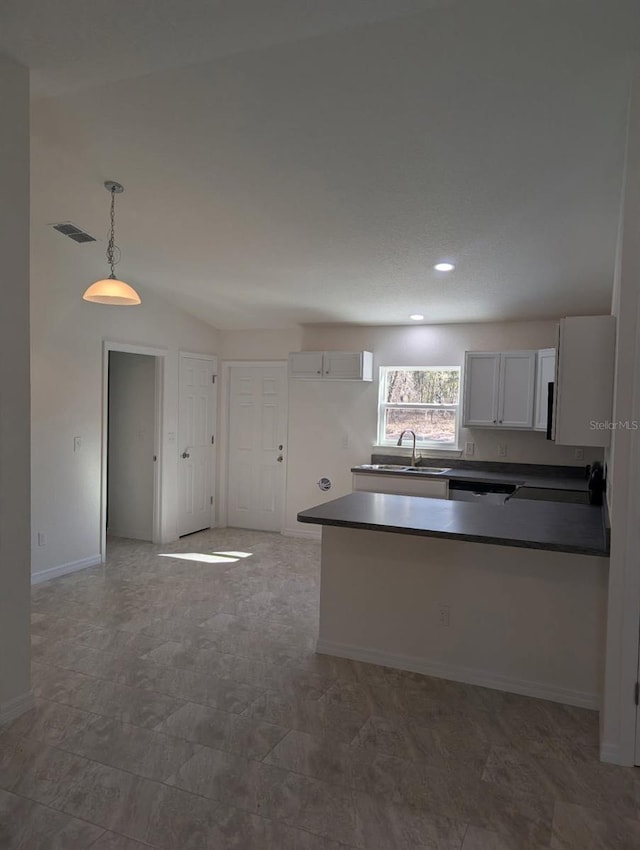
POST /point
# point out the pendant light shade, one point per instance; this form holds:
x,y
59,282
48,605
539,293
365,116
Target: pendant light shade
x,y
110,290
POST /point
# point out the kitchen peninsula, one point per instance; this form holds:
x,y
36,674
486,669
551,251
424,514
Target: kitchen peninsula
x,y
508,596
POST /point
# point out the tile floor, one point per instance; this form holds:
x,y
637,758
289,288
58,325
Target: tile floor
x,y
180,706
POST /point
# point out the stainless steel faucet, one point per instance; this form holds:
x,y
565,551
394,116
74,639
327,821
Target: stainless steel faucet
x,y
414,460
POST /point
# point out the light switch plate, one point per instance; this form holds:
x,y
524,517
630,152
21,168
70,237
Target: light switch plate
x,y
469,448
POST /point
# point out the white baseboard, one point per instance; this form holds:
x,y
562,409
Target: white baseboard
x,y
15,707
306,533
470,676
610,753
64,569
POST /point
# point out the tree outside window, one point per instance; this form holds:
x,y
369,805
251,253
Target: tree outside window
x,y
423,399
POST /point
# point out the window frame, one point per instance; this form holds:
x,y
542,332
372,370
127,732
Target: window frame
x,y
383,406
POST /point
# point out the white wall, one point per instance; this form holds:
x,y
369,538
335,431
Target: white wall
x,y
260,344
618,719
67,343
332,425
132,393
14,390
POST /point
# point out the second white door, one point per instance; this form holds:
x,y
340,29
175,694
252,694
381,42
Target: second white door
x,y
195,443
257,435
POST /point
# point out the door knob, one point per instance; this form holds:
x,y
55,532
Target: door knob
x,y
185,455
279,458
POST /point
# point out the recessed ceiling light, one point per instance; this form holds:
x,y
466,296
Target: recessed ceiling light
x,y
417,317
444,267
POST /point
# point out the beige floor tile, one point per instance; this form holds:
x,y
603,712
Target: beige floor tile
x,y
50,722
580,828
229,778
113,841
477,838
36,770
588,783
132,748
238,829
385,826
216,692
205,677
118,801
314,716
25,825
223,731
139,707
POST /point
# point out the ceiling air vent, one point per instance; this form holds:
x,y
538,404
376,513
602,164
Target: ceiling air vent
x,y
73,232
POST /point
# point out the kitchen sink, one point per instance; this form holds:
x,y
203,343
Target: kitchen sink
x,y
397,467
431,470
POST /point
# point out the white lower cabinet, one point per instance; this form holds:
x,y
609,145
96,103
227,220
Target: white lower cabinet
x,y
402,485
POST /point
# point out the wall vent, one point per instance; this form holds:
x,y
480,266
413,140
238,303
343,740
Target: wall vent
x,y
73,232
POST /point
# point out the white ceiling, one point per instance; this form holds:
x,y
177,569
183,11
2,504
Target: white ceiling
x,y
292,161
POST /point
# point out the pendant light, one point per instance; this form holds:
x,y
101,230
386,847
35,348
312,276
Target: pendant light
x,y
111,290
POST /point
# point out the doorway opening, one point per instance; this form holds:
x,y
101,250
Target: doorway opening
x,y
131,456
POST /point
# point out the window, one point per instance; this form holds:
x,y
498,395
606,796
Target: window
x,y
424,399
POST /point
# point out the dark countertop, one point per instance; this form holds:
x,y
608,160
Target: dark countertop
x,y
522,479
561,527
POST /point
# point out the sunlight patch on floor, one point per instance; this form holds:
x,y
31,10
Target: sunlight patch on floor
x,y
236,554
199,556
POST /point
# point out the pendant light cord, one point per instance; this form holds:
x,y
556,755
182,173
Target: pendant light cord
x,y
111,244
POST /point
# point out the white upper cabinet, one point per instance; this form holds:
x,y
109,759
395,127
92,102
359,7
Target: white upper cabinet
x,y
584,389
517,386
306,364
499,389
332,365
481,384
545,374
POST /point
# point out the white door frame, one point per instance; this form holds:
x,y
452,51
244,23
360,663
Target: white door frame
x,y
213,359
225,389
159,354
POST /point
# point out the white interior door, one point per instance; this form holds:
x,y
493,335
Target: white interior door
x,y
196,430
257,432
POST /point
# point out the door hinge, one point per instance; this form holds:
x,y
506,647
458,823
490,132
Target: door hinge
x,y
213,379
637,693
213,439
210,500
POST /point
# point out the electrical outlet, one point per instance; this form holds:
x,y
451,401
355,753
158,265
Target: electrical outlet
x,y
42,540
77,444
345,441
579,454
502,449
444,614
469,448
